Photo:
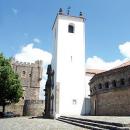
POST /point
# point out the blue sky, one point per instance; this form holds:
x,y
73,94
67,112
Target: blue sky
x,y
107,24
25,30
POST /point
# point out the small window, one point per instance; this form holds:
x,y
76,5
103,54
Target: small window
x,y
23,75
71,58
74,101
106,85
114,83
71,29
122,82
100,86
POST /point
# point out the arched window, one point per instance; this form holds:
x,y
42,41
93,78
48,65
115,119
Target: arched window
x,y
122,81
114,83
107,85
71,29
100,86
23,75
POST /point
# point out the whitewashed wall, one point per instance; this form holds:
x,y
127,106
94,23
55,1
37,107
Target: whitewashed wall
x,y
69,64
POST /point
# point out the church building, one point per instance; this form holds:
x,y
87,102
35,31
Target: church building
x,y
65,87
110,92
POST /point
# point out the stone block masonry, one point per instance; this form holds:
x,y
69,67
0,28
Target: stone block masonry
x,y
110,92
30,75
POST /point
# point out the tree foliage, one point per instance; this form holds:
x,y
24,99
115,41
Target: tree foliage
x,y
10,86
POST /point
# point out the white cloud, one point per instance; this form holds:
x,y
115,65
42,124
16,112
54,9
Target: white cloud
x,y
15,11
125,49
98,63
36,40
29,53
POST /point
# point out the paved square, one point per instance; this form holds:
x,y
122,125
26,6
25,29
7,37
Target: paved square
x,y
28,123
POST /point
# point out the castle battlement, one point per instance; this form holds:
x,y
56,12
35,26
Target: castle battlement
x,y
37,63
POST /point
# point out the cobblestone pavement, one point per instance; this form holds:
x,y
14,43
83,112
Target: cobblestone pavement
x,y
28,123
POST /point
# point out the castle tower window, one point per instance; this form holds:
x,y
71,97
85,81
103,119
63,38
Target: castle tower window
x,y
71,29
122,81
23,75
100,86
107,85
114,83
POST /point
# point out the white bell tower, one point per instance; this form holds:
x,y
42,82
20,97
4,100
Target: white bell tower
x,y
68,63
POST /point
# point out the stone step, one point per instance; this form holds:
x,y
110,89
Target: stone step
x,y
93,124
90,123
82,125
95,121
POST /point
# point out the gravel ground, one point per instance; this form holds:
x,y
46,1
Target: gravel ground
x,y
28,123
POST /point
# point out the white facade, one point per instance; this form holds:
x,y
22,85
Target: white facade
x,y
68,63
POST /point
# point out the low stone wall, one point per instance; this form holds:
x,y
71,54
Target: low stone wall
x,y
112,103
16,108
33,107
26,108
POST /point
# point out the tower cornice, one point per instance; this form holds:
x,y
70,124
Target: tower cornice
x,y
65,15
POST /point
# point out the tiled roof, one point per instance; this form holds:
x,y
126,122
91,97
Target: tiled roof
x,y
94,71
118,68
123,65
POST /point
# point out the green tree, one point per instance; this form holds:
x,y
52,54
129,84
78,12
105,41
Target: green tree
x,y
10,86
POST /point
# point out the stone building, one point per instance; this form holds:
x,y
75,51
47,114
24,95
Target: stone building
x,y
30,75
110,92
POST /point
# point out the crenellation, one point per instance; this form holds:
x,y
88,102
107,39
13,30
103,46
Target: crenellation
x,y
37,63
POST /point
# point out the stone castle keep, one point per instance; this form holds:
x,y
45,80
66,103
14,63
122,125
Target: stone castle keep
x,y
30,75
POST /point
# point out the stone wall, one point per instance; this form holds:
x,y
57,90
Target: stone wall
x,y
26,108
110,92
34,107
112,103
30,75
16,108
